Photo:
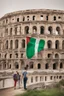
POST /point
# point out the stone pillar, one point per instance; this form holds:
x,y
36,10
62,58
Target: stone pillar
x,y
30,29
23,30
38,29
13,33
35,65
8,44
13,44
19,43
53,44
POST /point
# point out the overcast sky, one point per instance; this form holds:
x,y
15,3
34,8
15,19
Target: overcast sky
x,y
7,6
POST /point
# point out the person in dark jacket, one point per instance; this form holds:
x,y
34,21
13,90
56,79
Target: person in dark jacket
x,y
24,74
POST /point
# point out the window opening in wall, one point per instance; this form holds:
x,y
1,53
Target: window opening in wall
x,y
56,44
54,66
31,65
50,29
46,66
27,30
41,17
22,55
54,18
23,43
42,30
16,55
51,77
27,18
59,17
16,65
16,44
49,55
56,56
23,18
60,77
61,65
34,29
46,17
17,19
10,55
5,55
49,44
39,66
57,30
6,20
10,66
33,17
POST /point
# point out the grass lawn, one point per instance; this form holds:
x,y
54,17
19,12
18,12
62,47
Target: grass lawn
x,y
47,92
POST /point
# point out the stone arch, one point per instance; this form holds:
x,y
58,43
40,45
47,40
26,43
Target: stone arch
x,y
58,30
31,64
56,56
49,44
23,43
54,66
46,66
39,66
50,29
54,18
34,29
16,65
34,17
57,44
42,30
16,44
61,65
26,29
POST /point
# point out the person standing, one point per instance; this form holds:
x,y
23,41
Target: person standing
x,y
15,79
24,75
18,78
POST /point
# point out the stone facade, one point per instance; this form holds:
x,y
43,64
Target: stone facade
x,y
44,24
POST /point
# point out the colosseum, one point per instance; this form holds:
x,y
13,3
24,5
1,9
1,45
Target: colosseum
x,y
46,24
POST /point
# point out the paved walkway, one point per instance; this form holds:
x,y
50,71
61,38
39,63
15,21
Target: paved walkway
x,y
11,92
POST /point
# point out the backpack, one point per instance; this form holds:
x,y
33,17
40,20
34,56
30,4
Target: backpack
x,y
15,77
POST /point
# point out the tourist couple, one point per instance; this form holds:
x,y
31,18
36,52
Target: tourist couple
x,y
17,76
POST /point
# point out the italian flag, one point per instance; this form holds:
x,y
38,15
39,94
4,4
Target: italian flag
x,y
34,46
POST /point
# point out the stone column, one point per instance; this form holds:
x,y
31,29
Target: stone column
x,y
38,29
19,43
30,29
14,44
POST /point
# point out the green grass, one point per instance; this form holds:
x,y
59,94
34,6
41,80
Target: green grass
x,y
47,92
